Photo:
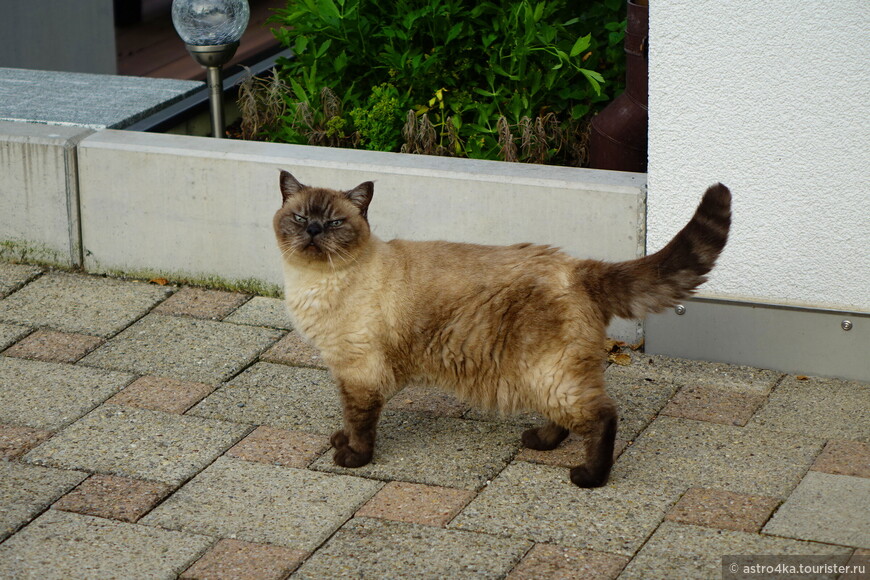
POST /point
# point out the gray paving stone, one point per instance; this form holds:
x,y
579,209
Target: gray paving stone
x,y
77,303
435,450
372,548
139,443
12,333
12,276
826,508
829,408
638,401
539,502
26,490
183,348
63,546
683,551
262,311
263,503
694,373
702,454
279,396
45,395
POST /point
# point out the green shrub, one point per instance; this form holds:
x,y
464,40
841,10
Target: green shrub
x,y
513,80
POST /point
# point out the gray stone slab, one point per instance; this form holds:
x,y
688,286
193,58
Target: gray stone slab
x,y
84,99
539,502
13,276
45,395
183,348
262,311
262,503
692,552
834,509
279,396
26,490
701,454
638,401
62,545
829,408
77,303
12,333
139,443
683,372
436,451
372,548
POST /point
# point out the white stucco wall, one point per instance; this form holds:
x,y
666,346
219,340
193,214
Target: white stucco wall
x,y
772,99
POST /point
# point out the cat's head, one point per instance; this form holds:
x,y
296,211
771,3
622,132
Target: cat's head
x,y
322,225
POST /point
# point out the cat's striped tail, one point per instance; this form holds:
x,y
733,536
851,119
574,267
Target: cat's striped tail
x,y
635,288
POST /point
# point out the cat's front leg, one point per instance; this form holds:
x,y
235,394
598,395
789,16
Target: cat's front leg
x,y
355,444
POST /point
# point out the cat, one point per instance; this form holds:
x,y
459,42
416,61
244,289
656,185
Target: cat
x,y
505,327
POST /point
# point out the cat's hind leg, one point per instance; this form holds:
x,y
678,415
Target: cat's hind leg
x,y
599,432
544,438
355,443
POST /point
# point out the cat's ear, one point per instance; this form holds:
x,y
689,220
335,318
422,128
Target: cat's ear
x,y
289,185
361,196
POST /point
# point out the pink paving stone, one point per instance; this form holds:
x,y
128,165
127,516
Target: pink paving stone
x,y
113,497
53,346
162,394
237,560
202,303
704,403
423,400
416,503
280,447
842,457
724,510
16,441
292,350
569,453
548,562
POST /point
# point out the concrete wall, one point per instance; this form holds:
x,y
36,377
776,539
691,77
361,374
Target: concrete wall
x,y
771,99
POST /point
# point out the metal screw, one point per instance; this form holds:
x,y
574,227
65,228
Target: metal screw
x,y
680,309
846,325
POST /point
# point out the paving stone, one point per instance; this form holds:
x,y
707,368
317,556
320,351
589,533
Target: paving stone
x,y
49,396
113,497
236,560
292,350
704,403
202,303
53,346
417,504
844,458
540,503
16,441
638,400
419,399
262,311
569,453
826,508
162,394
13,276
263,503
373,548
546,561
435,451
279,396
26,490
739,459
735,378
682,551
138,443
62,545
188,349
78,303
725,510
280,447
12,333
828,408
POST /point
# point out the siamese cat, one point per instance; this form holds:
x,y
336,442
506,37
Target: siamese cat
x,y
518,327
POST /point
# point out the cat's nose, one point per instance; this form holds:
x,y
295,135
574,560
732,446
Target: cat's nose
x,y
313,229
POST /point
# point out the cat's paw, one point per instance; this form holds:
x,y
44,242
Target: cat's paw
x,y
339,439
347,457
581,476
533,439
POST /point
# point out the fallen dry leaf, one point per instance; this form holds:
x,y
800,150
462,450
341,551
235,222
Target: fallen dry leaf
x,y
802,377
160,281
620,358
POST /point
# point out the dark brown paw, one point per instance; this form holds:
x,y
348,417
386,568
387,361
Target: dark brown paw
x,y
532,439
582,477
347,457
338,439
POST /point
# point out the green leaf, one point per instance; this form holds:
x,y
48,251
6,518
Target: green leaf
x,y
582,44
454,32
300,45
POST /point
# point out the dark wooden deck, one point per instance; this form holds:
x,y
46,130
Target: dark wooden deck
x,y
152,48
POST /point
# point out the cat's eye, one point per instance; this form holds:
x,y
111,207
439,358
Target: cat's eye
x,y
335,223
300,219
